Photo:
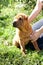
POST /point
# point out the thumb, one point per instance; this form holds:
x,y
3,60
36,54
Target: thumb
x,y
31,37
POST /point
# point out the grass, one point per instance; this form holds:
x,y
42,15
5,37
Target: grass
x,y
11,55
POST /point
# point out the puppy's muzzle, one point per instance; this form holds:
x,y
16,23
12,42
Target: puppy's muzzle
x,y
14,24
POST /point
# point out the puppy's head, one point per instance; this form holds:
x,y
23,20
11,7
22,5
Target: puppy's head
x,y
20,20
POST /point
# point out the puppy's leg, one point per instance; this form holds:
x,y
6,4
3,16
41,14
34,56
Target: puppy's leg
x,y
15,43
36,46
22,46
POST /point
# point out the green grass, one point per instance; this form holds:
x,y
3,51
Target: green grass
x,y
10,55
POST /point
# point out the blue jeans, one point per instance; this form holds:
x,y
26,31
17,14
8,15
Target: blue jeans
x,y
36,26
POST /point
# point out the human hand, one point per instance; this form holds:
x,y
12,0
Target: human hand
x,y
41,1
39,4
35,35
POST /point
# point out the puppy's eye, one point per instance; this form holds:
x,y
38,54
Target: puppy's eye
x,y
20,19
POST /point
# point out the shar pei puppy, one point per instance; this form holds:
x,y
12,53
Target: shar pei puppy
x,y
23,32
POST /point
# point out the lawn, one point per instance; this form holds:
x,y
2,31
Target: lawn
x,y
10,55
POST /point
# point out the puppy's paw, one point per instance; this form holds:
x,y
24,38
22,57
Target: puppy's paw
x,y
23,54
25,51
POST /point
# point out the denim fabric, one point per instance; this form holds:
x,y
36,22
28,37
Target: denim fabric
x,y
37,25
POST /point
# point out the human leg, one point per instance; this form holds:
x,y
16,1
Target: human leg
x,y
37,25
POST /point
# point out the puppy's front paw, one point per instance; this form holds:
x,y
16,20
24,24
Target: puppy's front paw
x,y
25,51
23,54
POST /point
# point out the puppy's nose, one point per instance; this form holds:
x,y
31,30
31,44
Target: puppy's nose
x,y
14,24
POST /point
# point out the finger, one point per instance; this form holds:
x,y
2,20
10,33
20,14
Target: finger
x,y
31,37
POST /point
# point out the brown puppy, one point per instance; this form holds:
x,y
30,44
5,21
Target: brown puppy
x,y
23,32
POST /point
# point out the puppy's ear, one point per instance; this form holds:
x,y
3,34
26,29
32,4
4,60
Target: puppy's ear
x,y
26,17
